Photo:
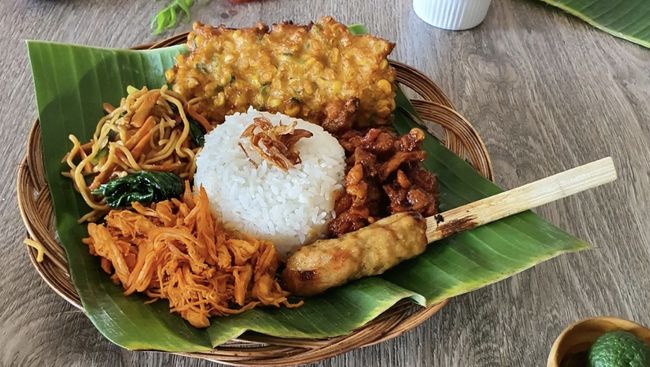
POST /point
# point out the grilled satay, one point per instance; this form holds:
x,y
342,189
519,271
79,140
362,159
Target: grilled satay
x,y
368,251
378,247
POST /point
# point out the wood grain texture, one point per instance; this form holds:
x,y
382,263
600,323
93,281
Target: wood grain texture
x,y
545,91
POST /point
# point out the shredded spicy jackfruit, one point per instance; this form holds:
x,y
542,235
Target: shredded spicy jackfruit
x,y
176,250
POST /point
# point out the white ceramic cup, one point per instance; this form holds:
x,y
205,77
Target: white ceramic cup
x,y
452,14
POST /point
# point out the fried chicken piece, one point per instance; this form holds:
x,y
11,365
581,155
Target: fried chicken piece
x,y
355,186
347,222
412,198
340,115
367,160
384,177
400,158
410,141
319,72
424,179
376,141
402,180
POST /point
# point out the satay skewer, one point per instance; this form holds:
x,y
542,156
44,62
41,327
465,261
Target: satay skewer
x,y
520,199
378,247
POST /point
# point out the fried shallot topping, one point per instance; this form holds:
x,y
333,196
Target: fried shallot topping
x,y
276,144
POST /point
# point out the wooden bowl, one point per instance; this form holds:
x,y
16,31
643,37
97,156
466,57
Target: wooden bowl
x,y
576,339
253,348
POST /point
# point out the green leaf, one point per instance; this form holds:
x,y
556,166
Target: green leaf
x,y
72,82
197,133
357,29
166,18
627,19
144,187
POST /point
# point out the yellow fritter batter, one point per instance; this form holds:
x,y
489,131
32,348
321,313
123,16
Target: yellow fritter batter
x,y
319,72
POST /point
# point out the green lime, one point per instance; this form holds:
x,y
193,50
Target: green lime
x,y
619,349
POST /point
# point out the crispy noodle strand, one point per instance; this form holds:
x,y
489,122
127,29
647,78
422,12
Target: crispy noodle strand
x,y
149,130
176,250
40,249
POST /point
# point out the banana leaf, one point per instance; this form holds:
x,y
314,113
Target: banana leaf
x,y
627,19
72,82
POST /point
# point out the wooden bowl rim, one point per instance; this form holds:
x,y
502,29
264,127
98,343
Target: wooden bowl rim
x,y
554,357
253,348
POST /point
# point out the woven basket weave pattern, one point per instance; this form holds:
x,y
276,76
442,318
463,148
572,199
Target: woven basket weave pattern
x,y
253,348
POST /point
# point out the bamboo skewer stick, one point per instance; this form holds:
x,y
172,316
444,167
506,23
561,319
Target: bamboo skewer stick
x,y
372,250
520,199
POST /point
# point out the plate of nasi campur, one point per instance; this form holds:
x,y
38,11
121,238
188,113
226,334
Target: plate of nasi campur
x,y
261,184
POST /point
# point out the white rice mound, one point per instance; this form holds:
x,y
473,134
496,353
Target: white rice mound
x,y
288,208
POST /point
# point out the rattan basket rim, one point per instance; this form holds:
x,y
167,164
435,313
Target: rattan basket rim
x,y
253,348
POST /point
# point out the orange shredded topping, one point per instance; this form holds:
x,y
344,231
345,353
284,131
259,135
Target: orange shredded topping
x,y
275,143
176,250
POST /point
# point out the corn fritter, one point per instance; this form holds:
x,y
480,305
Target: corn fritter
x,y
319,72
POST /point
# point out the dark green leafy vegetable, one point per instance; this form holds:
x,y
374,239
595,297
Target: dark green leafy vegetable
x,y
144,187
197,133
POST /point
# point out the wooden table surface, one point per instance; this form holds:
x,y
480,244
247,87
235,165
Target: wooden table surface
x,y
545,91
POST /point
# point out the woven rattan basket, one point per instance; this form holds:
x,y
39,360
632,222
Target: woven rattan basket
x,y
252,348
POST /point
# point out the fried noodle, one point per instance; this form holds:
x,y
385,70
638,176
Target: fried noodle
x,y
149,130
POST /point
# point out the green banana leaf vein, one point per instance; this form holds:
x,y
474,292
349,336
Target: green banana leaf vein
x,y
72,82
626,19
